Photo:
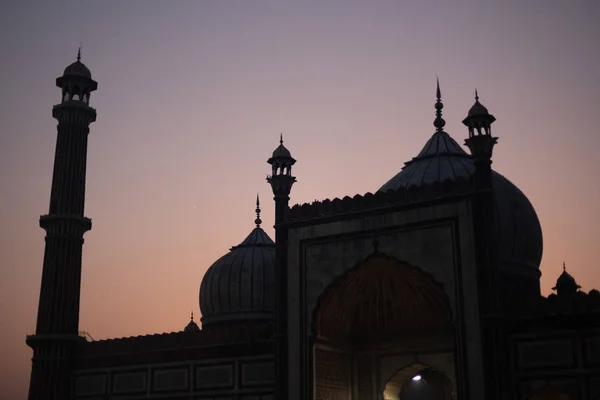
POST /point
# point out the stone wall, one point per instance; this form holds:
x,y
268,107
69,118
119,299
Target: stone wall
x,y
251,378
566,360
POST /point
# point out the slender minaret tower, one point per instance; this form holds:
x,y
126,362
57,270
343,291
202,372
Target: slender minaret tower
x,y
281,181
481,143
56,333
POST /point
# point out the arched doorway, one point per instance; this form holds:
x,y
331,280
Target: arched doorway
x,y
417,382
378,312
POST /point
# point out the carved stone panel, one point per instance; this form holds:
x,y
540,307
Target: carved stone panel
x,y
129,382
170,379
258,373
594,388
545,354
214,376
592,353
90,385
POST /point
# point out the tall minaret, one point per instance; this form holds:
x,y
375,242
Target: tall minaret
x,y
56,333
481,143
281,181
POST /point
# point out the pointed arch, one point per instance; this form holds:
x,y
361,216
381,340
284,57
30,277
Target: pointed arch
x,y
382,297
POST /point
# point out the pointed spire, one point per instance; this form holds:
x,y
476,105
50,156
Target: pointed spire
x,y
281,138
439,122
79,54
257,221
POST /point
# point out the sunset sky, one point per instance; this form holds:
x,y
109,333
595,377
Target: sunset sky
x,y
192,96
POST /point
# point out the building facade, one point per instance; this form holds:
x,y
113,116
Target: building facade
x,y
428,288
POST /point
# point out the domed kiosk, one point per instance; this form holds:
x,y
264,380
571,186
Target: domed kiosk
x,y
519,231
78,68
240,286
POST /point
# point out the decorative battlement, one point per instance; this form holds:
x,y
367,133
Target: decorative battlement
x,y
369,201
174,340
581,303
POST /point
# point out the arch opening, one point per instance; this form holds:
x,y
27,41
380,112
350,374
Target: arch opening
x,y
418,382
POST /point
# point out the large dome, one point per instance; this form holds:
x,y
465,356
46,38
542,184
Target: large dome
x,y
520,233
240,286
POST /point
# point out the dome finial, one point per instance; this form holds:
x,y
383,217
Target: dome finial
x,y
79,53
281,138
476,96
564,267
192,316
257,221
439,122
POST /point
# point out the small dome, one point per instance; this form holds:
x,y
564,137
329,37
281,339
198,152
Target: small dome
x,y
78,69
281,151
520,233
192,326
477,109
240,286
566,284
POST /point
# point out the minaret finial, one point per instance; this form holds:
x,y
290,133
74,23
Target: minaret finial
x,y
79,53
192,316
257,221
476,96
564,267
281,138
439,122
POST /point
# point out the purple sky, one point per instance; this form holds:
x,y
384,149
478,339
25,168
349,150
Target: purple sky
x,y
193,95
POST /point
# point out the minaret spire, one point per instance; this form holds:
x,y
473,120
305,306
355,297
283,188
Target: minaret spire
x,y
439,122
257,221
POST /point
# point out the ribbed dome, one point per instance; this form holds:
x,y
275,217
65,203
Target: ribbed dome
x,y
78,69
520,233
240,286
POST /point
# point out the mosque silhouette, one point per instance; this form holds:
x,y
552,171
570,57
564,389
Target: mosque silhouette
x,y
428,288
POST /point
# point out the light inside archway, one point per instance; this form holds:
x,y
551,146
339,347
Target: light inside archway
x,y
417,378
